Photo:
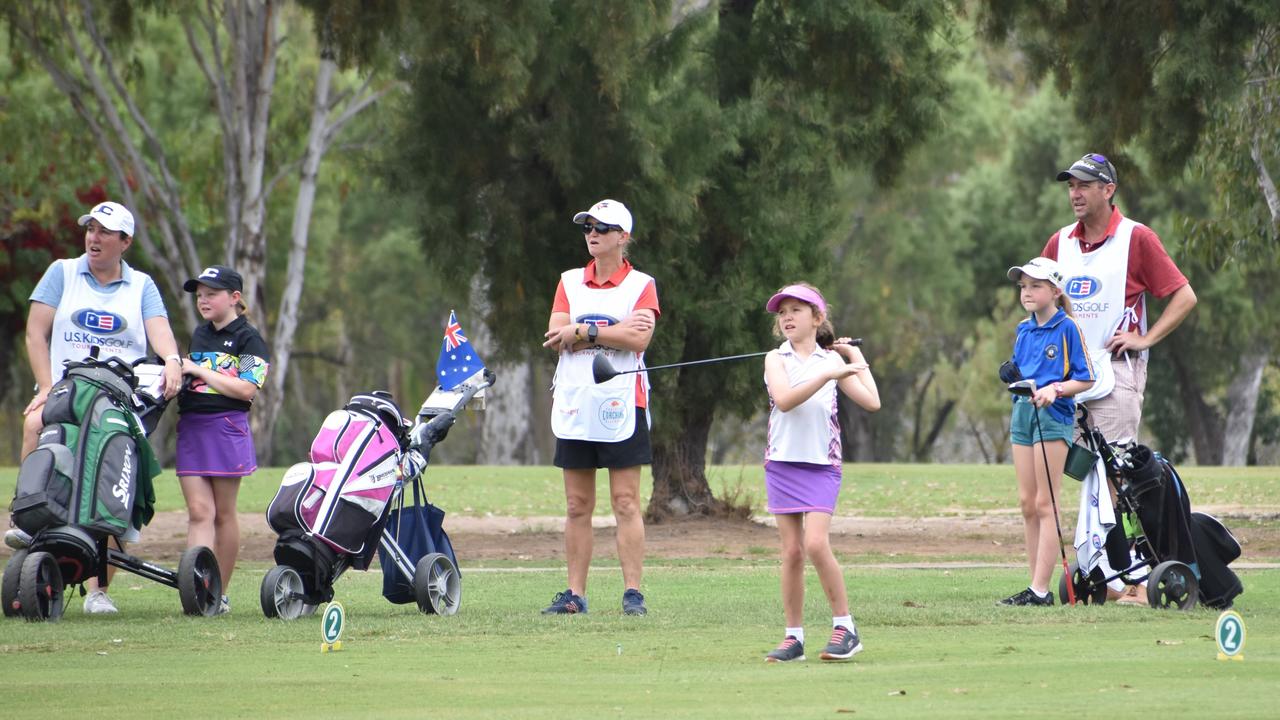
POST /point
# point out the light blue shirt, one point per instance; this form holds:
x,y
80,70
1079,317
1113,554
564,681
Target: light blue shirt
x,y
49,289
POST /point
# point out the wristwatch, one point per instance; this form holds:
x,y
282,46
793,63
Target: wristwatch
x,y
175,357
592,331
1057,388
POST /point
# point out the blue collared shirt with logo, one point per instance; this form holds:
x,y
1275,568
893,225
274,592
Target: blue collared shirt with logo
x,y
1050,353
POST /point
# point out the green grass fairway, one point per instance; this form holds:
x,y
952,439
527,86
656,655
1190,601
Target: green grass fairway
x,y
886,490
936,646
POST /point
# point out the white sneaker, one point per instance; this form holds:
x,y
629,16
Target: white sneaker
x,y
224,606
17,538
98,602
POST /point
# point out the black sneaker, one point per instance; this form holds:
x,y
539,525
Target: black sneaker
x,y
633,602
790,649
566,603
844,644
1028,597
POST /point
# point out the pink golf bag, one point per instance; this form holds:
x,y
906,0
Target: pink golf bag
x,y
341,496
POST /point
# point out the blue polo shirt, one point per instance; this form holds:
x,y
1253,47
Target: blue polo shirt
x,y
49,289
1050,353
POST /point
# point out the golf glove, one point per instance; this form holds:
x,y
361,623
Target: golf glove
x,y
1009,372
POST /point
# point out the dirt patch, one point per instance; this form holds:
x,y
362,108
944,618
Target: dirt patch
x,y
994,537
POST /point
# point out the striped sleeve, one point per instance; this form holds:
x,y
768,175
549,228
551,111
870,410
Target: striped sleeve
x,y
1077,365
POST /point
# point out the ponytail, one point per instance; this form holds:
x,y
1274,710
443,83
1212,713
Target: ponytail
x,y
826,333
1064,302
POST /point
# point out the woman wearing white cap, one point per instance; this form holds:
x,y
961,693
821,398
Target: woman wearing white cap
x,y
606,307
94,301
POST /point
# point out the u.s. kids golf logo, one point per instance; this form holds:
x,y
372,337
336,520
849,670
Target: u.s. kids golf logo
x,y
1083,287
97,328
99,321
1080,289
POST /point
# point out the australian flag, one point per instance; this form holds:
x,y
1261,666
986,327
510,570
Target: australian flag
x,y
458,361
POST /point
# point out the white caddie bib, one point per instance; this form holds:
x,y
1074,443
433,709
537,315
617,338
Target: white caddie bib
x,y
87,318
1096,286
580,408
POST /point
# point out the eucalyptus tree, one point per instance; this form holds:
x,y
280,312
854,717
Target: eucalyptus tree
x,y
103,59
1187,85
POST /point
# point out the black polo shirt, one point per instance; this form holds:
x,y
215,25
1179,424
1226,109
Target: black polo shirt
x,y
236,350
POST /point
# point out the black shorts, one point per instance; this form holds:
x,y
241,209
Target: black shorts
x,y
581,454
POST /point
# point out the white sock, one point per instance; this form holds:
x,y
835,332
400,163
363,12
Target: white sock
x,y
1039,594
797,633
844,621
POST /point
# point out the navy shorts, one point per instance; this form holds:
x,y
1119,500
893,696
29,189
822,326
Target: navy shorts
x,y
582,454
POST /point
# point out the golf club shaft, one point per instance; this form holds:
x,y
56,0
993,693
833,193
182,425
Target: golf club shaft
x,y
1053,500
855,342
695,362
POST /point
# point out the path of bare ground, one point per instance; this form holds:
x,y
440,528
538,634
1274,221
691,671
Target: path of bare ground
x,y
995,537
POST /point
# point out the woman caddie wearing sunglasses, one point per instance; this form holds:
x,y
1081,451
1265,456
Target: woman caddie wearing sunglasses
x,y
606,307
1110,262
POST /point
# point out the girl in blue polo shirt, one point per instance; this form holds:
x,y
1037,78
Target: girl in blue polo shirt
x,y
1050,350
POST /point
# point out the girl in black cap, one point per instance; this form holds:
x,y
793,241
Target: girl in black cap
x,y
226,365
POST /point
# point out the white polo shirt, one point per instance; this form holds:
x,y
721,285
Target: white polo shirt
x,y
809,432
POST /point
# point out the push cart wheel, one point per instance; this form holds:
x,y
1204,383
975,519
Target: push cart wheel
x,y
1088,590
437,585
308,610
199,582
1172,584
281,594
9,590
40,588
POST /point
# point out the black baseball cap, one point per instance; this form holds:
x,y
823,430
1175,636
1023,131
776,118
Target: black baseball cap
x,y
216,276
1089,168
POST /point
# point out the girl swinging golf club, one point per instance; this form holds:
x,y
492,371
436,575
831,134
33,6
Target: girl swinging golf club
x,y
802,457
1052,365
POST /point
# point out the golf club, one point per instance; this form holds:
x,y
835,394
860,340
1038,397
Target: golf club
x,y
1027,388
602,370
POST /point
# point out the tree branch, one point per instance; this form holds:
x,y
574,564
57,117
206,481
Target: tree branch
x,y
164,190
356,107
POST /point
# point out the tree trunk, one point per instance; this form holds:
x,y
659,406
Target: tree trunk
x,y
679,466
287,318
682,428
1203,422
253,33
1242,407
506,436
857,436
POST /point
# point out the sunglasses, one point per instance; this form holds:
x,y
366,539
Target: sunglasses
x,y
1102,159
600,228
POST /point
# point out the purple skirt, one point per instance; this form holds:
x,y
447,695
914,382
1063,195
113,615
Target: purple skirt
x,y
796,487
215,445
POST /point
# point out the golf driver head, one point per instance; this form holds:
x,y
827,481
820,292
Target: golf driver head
x,y
1026,388
601,369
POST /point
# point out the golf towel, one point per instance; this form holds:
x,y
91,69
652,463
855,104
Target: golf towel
x,y
1097,517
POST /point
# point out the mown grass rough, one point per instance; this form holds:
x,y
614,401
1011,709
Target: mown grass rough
x,y
884,490
936,646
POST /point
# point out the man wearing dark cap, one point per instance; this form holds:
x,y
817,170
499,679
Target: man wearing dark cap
x,y
1111,263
